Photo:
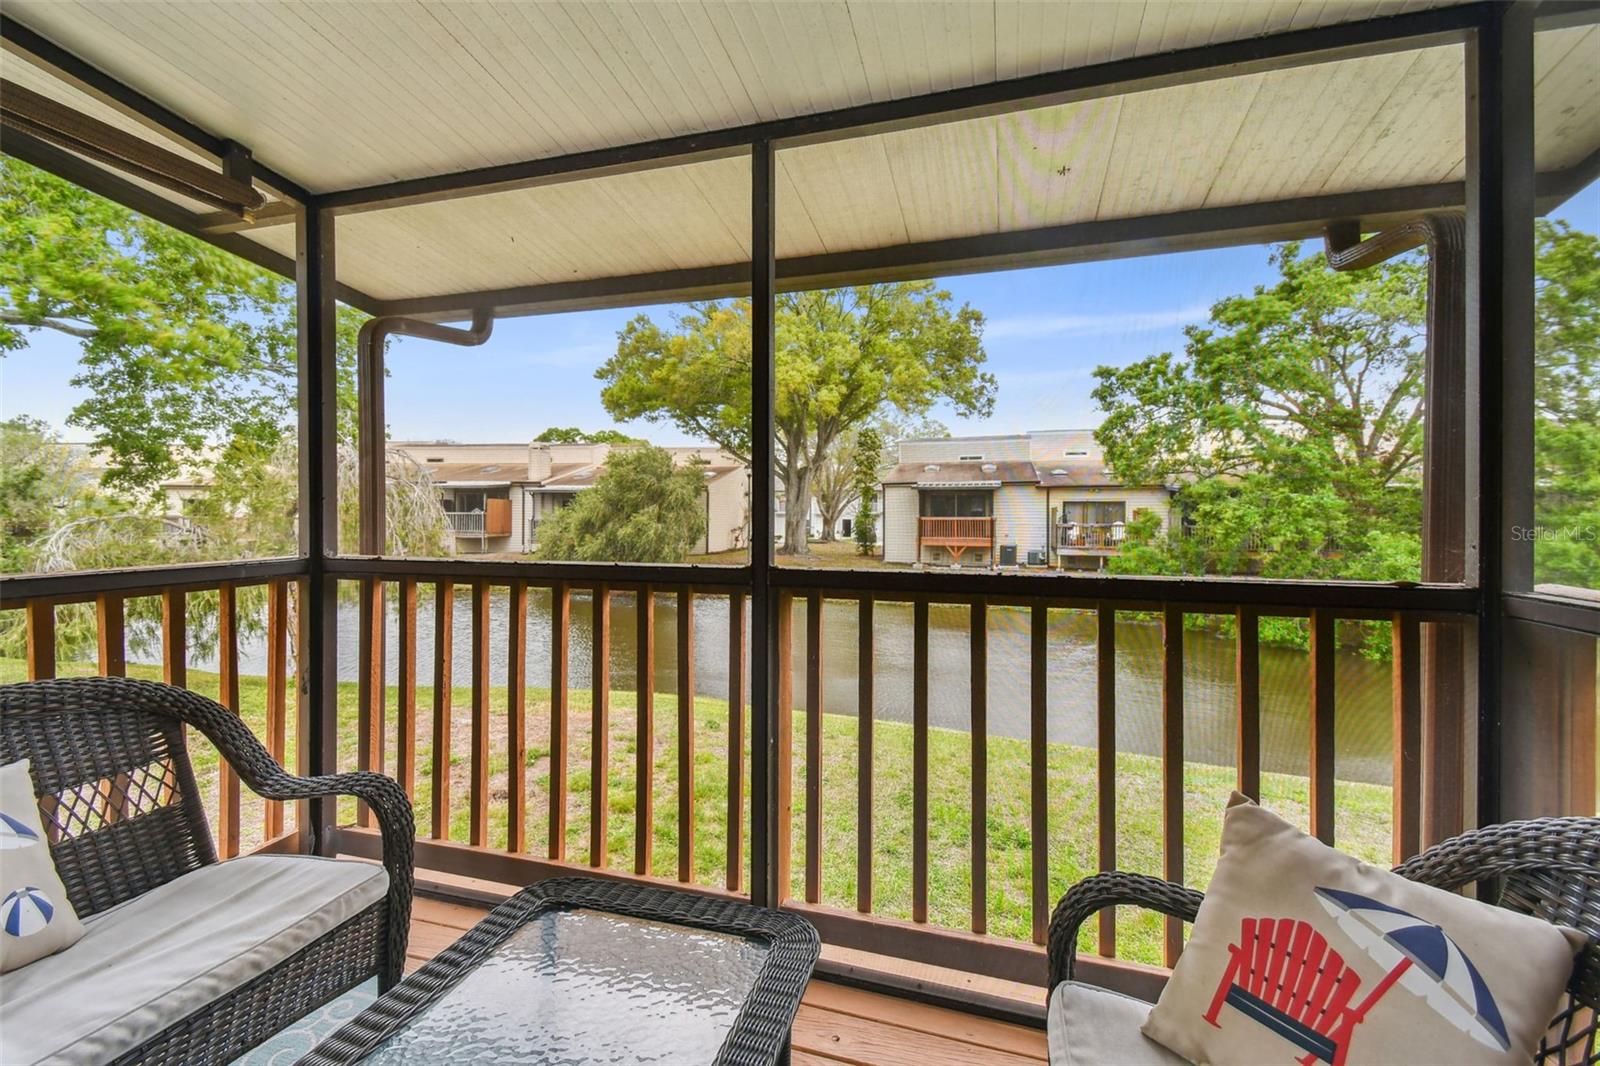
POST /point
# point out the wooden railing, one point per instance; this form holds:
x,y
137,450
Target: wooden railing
x,y
162,599
1106,536
917,938
388,697
954,532
497,602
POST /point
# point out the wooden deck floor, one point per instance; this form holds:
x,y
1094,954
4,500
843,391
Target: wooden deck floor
x,y
836,1024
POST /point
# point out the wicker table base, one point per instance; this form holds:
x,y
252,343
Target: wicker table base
x,y
578,970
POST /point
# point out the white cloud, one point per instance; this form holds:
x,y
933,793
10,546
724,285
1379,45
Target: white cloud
x,y
1121,322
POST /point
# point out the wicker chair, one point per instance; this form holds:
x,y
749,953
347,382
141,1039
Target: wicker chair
x,y
118,798
1547,867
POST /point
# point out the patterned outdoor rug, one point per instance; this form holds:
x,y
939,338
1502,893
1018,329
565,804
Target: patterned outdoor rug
x,y
304,1034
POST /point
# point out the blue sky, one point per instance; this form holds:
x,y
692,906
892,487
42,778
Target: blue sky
x,y
1048,328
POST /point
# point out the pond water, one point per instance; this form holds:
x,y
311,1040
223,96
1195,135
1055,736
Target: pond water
x,y
1362,692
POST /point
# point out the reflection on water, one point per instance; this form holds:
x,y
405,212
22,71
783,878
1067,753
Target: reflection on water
x,y
1362,693
588,987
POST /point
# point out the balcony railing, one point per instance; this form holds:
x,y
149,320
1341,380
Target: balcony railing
x,y
493,522
1090,536
158,605
578,803
958,532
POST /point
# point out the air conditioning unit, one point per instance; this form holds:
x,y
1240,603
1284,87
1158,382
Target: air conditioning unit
x,y
1035,557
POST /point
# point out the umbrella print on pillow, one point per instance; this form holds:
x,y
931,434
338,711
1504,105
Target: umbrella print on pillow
x,y
15,833
26,912
1424,960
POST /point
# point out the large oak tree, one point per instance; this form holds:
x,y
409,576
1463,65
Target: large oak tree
x,y
842,356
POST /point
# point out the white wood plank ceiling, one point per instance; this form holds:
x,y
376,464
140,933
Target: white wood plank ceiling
x,y
337,95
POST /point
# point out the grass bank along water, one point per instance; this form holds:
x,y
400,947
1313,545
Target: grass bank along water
x,y
1364,813
1363,687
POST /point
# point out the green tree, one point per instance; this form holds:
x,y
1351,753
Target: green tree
x,y
1292,425
1566,482
183,347
643,508
868,461
574,435
42,484
188,361
842,356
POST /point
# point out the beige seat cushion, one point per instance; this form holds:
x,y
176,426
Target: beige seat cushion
x,y
151,961
1090,1026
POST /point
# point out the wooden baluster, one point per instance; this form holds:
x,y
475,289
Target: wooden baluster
x,y
111,661
517,717
1106,760
736,676
370,685
1039,767
277,692
1172,768
644,700
478,793
919,760
1322,741
41,655
560,632
41,640
174,638
228,684
783,781
1406,636
301,593
406,665
865,722
814,748
112,653
686,734
443,651
1247,685
174,651
978,643
600,727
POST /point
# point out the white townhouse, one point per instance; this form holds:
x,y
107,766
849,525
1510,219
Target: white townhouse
x,y
1043,498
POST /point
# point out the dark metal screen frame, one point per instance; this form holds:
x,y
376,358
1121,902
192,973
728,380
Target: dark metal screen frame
x,y
1499,193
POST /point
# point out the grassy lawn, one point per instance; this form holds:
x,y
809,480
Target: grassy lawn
x,y
1363,810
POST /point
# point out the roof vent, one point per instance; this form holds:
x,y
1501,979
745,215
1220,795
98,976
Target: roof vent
x,y
1058,472
490,469
989,468
931,468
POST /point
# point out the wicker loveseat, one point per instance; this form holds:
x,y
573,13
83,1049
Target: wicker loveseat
x,y
1547,867
184,959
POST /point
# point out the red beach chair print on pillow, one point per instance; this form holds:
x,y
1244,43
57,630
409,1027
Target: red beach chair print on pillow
x,y
1283,974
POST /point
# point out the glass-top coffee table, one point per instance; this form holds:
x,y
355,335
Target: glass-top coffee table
x,y
578,970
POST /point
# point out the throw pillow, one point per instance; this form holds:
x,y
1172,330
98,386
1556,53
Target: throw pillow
x,y
1302,953
36,918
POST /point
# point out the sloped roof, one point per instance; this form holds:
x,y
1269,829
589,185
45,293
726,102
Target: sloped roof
x,y
1076,475
974,475
476,473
